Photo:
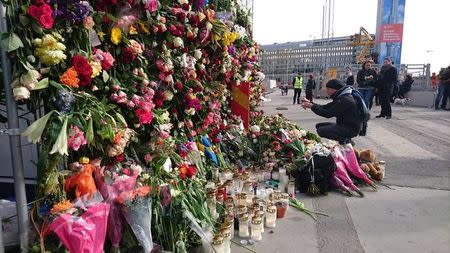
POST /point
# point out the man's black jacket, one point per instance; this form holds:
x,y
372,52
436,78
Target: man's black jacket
x,y
344,108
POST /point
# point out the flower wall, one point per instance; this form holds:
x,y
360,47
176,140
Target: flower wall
x,y
136,97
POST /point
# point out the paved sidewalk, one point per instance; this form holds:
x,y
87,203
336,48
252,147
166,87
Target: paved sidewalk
x,y
414,217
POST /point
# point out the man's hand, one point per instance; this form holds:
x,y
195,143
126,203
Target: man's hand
x,y
305,103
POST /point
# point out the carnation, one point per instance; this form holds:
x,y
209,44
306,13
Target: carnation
x,y
75,138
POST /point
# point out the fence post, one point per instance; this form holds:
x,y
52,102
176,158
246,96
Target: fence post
x,y
14,143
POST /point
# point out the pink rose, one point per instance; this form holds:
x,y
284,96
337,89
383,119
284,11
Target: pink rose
x,y
151,5
145,117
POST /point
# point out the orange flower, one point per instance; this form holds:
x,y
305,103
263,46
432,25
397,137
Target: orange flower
x,y
141,191
61,207
70,78
117,138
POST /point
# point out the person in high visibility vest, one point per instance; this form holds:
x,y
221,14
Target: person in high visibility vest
x,y
298,85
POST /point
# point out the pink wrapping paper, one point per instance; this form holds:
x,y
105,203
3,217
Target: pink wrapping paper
x,y
84,234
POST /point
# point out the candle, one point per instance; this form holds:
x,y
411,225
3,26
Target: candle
x,y
243,199
271,216
261,215
218,244
282,171
291,188
285,199
243,225
226,233
256,229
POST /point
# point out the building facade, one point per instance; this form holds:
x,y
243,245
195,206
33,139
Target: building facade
x,y
281,61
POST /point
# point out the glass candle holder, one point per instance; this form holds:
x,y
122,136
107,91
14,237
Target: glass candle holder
x,y
241,209
247,188
228,224
218,244
271,216
291,188
243,199
243,225
383,167
261,215
226,234
256,229
284,197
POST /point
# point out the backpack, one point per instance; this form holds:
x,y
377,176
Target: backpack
x,y
363,111
314,177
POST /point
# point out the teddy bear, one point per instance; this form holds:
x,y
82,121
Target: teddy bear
x,y
369,163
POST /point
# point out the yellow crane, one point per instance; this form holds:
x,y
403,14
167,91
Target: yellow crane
x,y
365,40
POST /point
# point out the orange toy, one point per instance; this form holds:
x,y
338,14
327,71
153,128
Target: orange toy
x,y
82,182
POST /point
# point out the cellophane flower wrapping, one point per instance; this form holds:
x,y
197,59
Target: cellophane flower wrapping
x,y
85,233
138,214
113,194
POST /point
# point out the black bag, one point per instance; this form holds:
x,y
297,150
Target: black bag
x,y
315,175
362,110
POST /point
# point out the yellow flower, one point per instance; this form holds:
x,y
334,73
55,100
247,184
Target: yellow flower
x,y
101,35
116,35
96,68
229,38
133,30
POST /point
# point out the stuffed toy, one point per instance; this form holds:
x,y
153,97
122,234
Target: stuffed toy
x,y
369,163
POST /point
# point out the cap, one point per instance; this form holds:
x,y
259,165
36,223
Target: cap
x,y
335,84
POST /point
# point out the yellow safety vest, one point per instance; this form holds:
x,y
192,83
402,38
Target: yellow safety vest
x,y
298,84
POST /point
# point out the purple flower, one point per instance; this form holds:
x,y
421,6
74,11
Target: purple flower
x,y
231,50
72,10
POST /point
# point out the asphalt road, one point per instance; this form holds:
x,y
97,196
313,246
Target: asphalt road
x,y
414,216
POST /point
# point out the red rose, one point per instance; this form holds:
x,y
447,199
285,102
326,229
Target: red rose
x,y
46,9
128,55
79,63
34,11
85,80
145,117
178,85
46,21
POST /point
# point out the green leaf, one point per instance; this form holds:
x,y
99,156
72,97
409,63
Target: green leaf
x,y
35,130
41,84
90,132
105,76
121,120
24,20
11,42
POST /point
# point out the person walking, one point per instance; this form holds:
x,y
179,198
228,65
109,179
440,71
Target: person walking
x,y
443,89
366,80
343,107
298,85
348,77
285,88
310,86
405,87
388,77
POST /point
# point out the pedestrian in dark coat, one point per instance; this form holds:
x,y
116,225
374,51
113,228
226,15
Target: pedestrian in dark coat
x,y
386,81
310,86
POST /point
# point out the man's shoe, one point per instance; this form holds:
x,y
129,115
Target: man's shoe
x,y
388,117
380,116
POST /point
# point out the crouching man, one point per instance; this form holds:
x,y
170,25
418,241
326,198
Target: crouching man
x,y
343,107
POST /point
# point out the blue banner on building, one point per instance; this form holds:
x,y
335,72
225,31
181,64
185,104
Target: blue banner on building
x,y
389,35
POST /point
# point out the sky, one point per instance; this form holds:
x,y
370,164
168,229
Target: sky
x,y
425,40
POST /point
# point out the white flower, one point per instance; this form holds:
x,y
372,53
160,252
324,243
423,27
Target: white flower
x,y
191,111
183,1
21,93
209,26
165,116
198,54
255,129
168,95
178,42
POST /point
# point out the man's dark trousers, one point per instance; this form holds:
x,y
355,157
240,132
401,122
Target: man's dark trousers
x,y
385,101
333,131
297,93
